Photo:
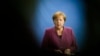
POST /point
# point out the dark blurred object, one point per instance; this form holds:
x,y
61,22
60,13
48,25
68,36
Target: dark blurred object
x,y
18,38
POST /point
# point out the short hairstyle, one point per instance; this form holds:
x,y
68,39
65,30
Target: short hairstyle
x,y
59,13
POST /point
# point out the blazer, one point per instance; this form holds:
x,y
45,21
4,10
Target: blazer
x,y
52,42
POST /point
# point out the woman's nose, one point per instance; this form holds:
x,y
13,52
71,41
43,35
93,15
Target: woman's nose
x,y
58,21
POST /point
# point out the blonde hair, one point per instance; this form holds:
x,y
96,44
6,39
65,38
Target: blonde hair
x,y
59,13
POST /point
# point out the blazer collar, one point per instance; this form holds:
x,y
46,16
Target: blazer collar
x,y
54,30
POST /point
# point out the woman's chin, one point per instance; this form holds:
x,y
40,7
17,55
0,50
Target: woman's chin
x,y
58,27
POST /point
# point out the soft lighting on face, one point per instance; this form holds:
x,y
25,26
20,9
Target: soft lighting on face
x,y
75,11
59,22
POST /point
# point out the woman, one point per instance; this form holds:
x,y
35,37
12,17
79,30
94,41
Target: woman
x,y
59,39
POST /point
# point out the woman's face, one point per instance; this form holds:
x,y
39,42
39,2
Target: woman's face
x,y
59,22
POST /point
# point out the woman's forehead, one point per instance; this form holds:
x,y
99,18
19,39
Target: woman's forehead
x,y
59,17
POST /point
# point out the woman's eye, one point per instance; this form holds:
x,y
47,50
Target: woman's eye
x,y
60,20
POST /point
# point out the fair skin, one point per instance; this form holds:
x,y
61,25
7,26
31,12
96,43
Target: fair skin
x,y
59,23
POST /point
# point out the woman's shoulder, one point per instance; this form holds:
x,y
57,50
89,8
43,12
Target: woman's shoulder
x,y
49,29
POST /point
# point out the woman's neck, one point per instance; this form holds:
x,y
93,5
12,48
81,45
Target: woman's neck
x,y
59,31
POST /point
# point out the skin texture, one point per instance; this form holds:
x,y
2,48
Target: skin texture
x,y
59,22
